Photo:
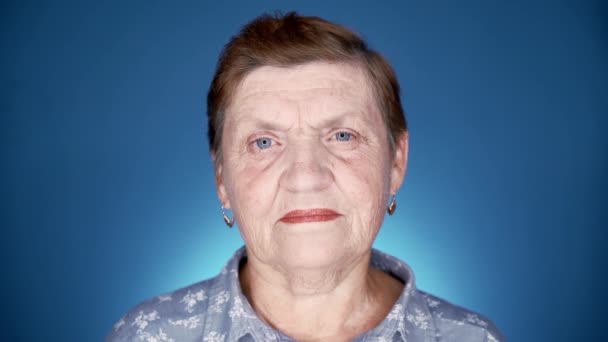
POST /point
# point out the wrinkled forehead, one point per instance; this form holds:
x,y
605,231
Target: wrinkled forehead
x,y
341,83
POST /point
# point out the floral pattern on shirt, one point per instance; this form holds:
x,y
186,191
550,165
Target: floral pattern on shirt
x,y
215,310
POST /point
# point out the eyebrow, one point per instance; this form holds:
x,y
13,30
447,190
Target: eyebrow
x,y
341,118
261,122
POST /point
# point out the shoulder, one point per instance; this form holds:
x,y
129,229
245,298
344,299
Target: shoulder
x,y
455,323
179,315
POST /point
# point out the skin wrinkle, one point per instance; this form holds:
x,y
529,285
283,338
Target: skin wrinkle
x,y
319,270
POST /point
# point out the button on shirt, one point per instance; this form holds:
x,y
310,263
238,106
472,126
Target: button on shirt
x,y
215,310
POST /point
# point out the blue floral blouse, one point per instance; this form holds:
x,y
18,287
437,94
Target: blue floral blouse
x,y
215,310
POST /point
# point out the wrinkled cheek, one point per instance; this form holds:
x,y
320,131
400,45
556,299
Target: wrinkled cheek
x,y
369,197
253,194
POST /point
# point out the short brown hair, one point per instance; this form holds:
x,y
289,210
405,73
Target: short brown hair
x,y
289,40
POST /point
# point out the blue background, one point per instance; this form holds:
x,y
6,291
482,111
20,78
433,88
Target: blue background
x,y
108,188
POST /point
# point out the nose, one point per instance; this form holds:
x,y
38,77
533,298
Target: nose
x,y
307,167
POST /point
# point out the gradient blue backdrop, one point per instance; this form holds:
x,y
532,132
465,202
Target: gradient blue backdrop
x,y
109,195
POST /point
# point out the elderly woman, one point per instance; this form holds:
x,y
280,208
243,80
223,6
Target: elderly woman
x,y
310,147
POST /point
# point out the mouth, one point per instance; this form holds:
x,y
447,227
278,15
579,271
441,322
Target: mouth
x,y
309,215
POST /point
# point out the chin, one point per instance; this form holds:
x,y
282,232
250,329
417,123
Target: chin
x,y
313,251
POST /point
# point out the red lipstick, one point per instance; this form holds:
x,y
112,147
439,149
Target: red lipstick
x,y
309,215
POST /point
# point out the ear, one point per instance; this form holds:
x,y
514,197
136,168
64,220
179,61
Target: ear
x,y
399,164
222,194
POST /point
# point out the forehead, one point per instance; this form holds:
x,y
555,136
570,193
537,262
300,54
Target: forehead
x,y
336,82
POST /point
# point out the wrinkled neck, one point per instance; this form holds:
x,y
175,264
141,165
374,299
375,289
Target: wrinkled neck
x,y
331,303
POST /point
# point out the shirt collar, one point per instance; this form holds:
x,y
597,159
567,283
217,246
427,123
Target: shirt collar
x,y
241,316
410,315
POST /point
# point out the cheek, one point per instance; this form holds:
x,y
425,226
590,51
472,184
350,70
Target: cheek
x,y
367,172
246,181
364,181
252,194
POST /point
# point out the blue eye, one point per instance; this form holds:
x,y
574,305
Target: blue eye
x,y
263,143
343,136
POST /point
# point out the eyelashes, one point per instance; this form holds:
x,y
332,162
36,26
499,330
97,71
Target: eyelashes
x,y
343,136
265,142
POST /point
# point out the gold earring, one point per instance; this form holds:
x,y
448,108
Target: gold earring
x,y
392,206
229,221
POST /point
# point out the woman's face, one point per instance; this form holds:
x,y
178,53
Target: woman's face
x,y
301,138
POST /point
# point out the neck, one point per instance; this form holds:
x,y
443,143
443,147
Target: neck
x,y
335,303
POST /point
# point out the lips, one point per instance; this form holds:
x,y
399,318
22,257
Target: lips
x,y
309,215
